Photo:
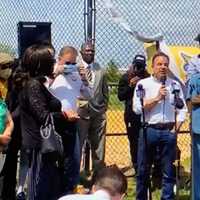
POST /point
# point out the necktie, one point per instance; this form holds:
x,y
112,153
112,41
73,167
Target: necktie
x,y
89,73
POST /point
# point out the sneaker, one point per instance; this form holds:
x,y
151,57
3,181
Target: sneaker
x,y
21,196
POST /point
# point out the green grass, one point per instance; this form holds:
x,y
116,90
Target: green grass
x,y
184,191
114,103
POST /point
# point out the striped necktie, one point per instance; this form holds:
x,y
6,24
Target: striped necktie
x,y
89,73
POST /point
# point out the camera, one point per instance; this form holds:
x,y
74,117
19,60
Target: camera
x,y
139,64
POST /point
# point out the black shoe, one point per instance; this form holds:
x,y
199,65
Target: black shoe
x,y
21,196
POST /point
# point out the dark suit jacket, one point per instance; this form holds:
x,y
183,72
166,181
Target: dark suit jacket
x,y
98,103
125,93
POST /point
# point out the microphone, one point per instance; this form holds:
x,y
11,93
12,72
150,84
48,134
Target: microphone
x,y
163,80
178,102
140,91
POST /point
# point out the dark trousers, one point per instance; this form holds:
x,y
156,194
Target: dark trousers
x,y
133,129
9,171
165,141
44,177
70,168
195,166
9,174
94,130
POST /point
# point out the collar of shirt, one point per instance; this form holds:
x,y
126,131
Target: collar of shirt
x,y
163,111
92,71
167,81
88,65
48,82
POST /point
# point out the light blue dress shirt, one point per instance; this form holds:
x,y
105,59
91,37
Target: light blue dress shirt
x,y
194,90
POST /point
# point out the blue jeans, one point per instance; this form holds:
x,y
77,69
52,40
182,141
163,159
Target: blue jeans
x,y
147,150
196,167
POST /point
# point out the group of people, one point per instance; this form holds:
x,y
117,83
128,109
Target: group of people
x,y
155,109
40,87
76,97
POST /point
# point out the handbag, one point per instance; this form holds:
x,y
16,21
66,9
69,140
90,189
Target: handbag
x,y
51,140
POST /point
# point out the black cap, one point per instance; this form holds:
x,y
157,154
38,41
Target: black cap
x,y
197,38
139,60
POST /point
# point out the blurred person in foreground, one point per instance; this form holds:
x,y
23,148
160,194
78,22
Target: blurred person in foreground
x,y
6,122
108,184
6,127
9,171
126,89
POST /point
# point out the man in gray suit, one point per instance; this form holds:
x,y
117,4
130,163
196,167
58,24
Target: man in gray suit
x,y
92,112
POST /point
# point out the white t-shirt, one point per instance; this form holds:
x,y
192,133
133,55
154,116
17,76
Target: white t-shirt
x,y
68,88
98,195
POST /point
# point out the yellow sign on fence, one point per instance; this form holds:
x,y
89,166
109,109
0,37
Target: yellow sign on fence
x,y
179,57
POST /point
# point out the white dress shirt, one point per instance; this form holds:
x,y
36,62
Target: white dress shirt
x,y
164,111
91,83
68,88
98,195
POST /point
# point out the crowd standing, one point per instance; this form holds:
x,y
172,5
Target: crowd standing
x,y
70,99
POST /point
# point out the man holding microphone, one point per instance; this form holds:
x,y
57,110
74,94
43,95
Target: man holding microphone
x,y
159,103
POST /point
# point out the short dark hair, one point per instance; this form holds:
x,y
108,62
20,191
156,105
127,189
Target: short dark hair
x,y
85,44
158,54
37,60
67,49
112,180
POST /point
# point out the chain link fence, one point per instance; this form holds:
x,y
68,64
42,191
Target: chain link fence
x,y
116,127
177,20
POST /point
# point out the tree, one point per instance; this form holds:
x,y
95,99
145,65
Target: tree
x,y
112,72
7,49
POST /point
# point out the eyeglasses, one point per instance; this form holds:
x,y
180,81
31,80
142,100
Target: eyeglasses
x,y
70,63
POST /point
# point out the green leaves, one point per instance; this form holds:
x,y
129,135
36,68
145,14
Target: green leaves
x,y
112,72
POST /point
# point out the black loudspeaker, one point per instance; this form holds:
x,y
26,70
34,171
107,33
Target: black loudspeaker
x,y
30,33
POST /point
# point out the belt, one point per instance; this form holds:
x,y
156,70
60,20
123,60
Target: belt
x,y
162,126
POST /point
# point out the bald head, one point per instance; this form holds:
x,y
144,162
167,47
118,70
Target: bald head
x,y
67,54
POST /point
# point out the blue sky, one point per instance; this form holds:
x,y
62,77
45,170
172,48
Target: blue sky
x,y
177,20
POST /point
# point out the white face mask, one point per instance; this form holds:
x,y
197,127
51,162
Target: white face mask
x,y
5,73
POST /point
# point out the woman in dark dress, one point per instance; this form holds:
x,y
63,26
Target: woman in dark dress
x,y
36,104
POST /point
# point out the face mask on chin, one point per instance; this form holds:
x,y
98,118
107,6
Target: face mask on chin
x,y
5,73
70,68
